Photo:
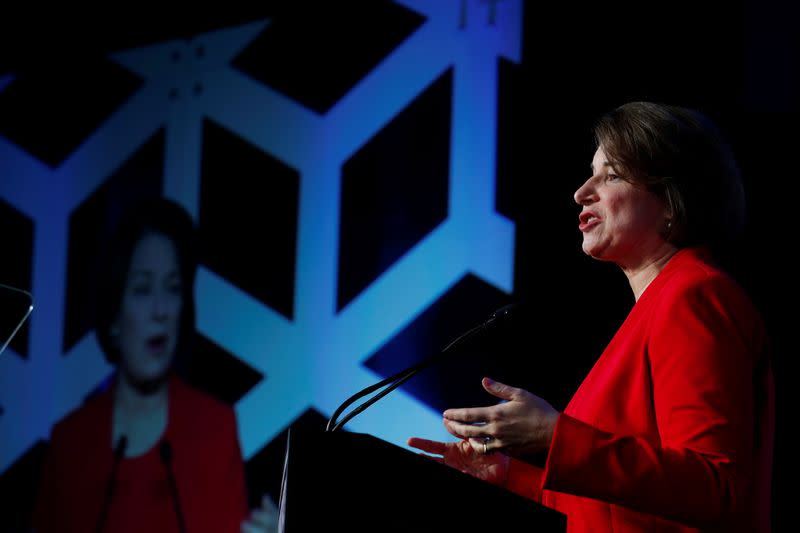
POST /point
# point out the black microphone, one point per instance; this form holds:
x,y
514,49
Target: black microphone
x,y
119,453
165,451
401,377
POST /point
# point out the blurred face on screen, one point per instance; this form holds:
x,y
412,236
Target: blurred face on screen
x,y
149,318
620,221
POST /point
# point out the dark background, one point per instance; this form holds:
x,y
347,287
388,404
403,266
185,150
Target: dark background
x,y
736,60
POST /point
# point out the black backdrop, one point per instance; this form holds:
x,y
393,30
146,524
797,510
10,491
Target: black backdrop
x,y
737,61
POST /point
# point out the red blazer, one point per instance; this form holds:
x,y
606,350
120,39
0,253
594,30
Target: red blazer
x,y
673,428
206,461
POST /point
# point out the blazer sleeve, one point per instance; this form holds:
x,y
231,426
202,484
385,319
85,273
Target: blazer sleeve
x,y
525,479
701,349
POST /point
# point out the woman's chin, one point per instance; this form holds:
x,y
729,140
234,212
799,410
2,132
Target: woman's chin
x,y
595,246
592,250
148,380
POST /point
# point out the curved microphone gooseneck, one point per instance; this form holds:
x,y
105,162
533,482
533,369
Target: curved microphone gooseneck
x,y
401,377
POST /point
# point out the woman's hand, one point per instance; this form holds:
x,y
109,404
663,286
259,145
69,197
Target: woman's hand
x,y
461,455
264,519
523,424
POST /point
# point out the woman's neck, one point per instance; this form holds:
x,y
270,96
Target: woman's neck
x,y
140,414
133,398
644,272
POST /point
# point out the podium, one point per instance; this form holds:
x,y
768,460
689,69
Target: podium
x,y
341,481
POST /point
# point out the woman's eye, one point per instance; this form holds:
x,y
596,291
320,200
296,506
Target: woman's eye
x,y
612,177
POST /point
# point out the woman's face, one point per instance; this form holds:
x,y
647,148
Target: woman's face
x,y
149,318
620,221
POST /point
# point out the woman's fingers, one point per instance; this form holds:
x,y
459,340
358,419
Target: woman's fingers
x,y
463,430
437,458
470,414
485,445
429,446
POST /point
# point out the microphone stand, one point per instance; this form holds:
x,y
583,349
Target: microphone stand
x,y
165,451
119,452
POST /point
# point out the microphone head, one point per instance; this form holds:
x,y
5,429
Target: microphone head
x,y
503,313
165,452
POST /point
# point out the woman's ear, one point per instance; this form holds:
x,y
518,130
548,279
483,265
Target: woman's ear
x,y
666,226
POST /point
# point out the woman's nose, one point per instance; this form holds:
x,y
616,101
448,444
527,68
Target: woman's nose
x,y
160,305
585,193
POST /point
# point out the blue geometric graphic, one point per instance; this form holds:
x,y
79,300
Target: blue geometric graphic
x,y
314,360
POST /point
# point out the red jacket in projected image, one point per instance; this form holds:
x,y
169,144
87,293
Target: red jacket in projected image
x,y
206,461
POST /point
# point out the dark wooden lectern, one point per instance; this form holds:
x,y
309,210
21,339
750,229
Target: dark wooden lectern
x,y
341,481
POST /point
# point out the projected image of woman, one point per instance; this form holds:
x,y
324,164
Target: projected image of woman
x,y
151,453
